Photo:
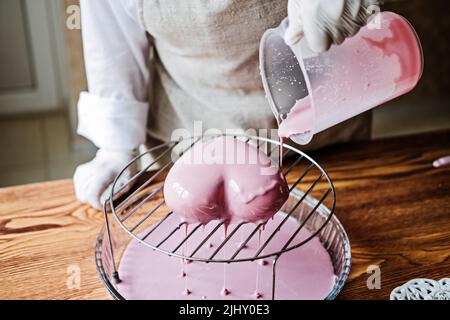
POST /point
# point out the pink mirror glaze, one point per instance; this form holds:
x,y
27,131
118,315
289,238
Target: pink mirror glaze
x,y
225,179
299,121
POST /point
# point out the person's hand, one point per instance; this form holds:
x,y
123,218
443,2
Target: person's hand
x,y
326,22
93,180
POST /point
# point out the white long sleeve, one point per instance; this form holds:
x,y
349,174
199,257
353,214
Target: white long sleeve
x,y
113,114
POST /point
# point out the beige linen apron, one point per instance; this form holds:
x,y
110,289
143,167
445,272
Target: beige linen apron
x,y
206,67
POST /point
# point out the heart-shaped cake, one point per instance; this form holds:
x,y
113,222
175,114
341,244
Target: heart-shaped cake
x,y
225,179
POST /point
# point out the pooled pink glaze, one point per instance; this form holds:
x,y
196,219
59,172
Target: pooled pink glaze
x,y
225,179
303,273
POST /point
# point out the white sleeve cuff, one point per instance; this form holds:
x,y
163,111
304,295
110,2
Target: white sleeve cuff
x,y
112,124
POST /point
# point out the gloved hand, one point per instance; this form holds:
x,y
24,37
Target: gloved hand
x,y
93,180
326,22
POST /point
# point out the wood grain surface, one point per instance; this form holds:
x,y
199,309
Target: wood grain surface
x,y
393,204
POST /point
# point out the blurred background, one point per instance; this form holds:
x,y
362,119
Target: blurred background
x,y
42,73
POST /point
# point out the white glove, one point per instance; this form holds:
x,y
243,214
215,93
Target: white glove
x,y
93,179
326,22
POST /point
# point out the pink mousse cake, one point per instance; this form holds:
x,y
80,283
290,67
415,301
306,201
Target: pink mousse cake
x,y
225,179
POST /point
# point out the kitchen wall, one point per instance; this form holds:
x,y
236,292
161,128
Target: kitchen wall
x,y
33,74
39,61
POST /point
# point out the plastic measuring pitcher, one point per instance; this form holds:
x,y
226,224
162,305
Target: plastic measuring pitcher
x,y
310,92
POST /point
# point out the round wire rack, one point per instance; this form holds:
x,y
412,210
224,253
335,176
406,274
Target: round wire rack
x,y
137,210
138,207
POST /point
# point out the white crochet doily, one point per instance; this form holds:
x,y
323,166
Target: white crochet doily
x,y
423,289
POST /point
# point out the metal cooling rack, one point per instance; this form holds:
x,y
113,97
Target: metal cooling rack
x,y
139,207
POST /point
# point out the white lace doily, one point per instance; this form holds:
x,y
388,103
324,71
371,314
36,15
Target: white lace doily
x,y
423,289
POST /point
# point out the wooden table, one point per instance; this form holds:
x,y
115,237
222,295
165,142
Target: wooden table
x,y
394,205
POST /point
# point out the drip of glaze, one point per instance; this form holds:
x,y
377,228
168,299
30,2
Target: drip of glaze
x,y
257,295
225,292
281,153
257,265
298,122
263,262
184,262
242,240
187,292
241,243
